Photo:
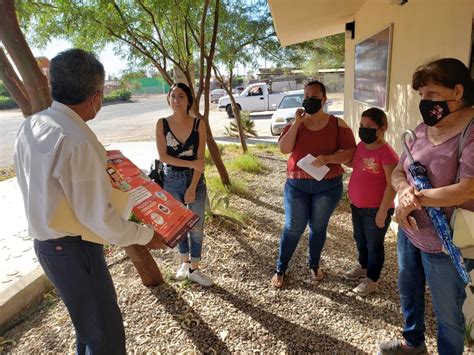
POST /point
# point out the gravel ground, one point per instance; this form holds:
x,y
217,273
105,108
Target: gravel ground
x,y
242,312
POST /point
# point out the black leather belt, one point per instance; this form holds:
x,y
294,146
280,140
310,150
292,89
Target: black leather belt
x,y
176,168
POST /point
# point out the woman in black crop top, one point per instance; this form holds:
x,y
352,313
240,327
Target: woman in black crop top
x,y
181,142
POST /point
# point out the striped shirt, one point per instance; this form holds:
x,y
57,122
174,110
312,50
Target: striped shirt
x,y
441,163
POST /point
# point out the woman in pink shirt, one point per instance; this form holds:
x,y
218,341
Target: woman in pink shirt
x,y
447,95
371,196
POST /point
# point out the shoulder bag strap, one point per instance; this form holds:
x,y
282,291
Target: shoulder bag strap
x,y
196,124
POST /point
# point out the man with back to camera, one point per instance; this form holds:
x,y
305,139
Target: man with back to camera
x,y
58,156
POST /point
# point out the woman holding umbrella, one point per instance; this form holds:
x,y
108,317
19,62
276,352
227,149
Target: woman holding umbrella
x,y
447,94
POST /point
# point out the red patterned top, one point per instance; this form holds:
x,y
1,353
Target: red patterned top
x,y
325,141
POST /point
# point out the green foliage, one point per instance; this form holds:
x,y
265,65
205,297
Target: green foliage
x,y
248,163
3,90
248,126
161,33
238,187
266,147
244,27
118,95
208,158
133,218
231,148
7,102
219,205
207,155
327,52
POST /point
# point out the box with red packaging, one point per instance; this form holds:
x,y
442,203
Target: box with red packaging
x,y
151,204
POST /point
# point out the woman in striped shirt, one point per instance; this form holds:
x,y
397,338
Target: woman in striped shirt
x,y
446,91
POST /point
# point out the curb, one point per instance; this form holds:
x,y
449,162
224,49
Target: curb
x,y
22,294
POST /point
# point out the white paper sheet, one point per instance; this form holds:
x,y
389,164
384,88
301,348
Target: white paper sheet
x,y
317,173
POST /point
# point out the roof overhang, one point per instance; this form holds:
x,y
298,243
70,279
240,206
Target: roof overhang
x,y
305,20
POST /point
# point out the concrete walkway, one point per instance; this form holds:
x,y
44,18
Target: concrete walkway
x,y
22,279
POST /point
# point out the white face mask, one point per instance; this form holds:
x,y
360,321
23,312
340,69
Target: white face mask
x,y
93,108
95,111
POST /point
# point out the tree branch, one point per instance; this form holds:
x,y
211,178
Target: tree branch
x,y
202,49
146,53
35,83
14,85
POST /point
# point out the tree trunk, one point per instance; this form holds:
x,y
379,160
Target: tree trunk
x,y
214,151
14,85
145,265
216,158
238,119
35,83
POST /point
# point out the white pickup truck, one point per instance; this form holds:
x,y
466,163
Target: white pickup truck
x,y
256,97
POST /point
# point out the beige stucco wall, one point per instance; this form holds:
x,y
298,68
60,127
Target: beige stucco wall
x,y
422,30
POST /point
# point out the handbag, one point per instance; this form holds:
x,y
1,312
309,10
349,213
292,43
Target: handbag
x,y
156,172
462,220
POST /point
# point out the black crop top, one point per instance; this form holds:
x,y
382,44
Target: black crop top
x,y
182,150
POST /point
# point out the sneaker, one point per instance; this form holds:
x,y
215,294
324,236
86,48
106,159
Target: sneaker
x,y
366,287
355,273
183,271
198,277
396,347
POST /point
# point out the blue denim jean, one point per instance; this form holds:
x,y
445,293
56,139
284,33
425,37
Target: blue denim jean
x,y
79,272
447,292
312,202
176,182
370,239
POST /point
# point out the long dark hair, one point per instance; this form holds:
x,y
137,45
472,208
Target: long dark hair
x,y
186,90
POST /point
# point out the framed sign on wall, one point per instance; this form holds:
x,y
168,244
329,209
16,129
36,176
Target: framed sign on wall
x,y
372,69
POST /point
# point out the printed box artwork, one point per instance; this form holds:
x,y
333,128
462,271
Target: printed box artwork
x,y
151,204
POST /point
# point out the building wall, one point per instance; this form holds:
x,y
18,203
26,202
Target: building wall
x,y
422,30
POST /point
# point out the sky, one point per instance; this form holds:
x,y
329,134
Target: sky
x,y
113,64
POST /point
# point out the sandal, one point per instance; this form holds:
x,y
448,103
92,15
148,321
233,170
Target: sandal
x,y
277,280
317,274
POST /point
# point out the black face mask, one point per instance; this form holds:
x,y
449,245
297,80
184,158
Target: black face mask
x,y
312,105
434,111
368,135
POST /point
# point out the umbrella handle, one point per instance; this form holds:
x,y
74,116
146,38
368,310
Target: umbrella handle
x,y
412,136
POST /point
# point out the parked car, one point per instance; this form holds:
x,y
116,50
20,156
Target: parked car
x,y
239,89
216,94
255,97
286,110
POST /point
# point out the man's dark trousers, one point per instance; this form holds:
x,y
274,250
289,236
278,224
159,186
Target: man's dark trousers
x,y
79,272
